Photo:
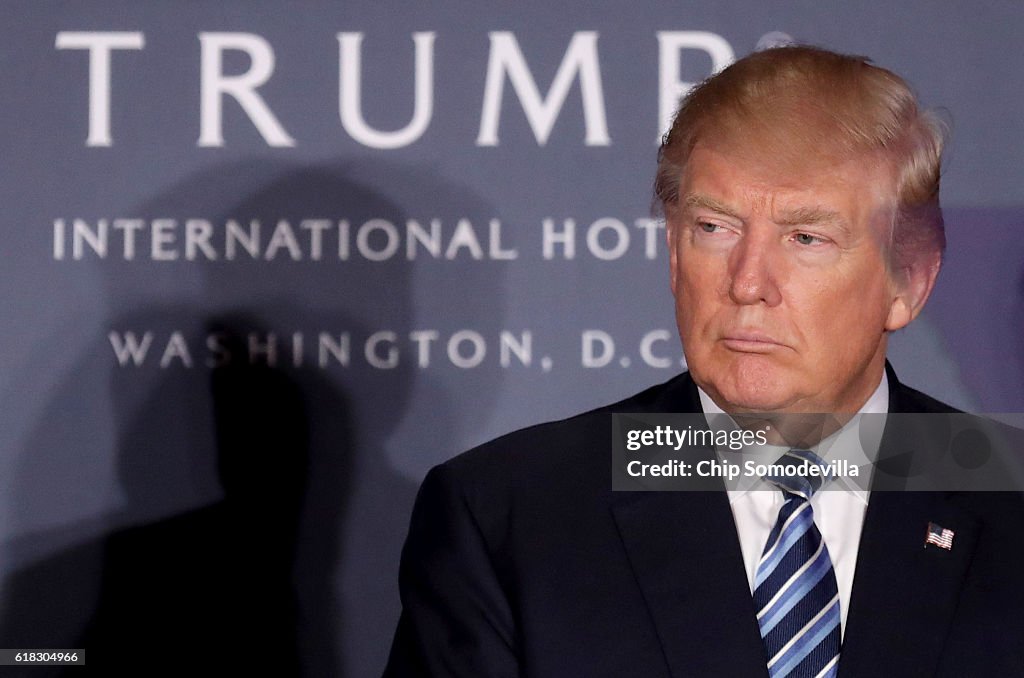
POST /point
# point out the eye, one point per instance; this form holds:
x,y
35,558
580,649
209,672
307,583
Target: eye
x,y
708,227
807,239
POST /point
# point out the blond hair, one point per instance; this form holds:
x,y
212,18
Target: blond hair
x,y
802,102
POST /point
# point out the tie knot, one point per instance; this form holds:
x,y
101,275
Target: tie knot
x,y
799,472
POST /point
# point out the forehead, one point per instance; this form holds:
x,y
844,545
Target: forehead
x,y
860,189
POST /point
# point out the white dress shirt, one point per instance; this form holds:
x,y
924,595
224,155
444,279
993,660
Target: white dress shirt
x,y
838,512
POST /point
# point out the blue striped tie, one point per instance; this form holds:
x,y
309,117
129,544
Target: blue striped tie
x,y
795,588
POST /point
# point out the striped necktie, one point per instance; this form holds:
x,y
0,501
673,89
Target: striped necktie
x,y
795,588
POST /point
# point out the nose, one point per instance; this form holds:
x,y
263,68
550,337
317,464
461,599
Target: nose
x,y
754,268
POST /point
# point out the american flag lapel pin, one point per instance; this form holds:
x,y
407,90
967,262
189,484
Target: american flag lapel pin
x,y
940,536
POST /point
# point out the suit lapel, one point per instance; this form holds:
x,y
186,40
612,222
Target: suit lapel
x,y
905,594
686,557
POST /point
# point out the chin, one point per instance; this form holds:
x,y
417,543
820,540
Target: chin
x,y
754,400
753,385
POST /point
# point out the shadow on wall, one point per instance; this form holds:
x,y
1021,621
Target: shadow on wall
x,y
255,489
219,578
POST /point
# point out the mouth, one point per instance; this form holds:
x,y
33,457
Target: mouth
x,y
751,342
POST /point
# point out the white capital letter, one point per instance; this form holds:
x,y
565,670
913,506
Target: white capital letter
x,y
566,237
214,84
647,355
603,342
99,45
670,88
350,93
580,58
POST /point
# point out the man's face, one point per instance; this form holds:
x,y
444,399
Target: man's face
x,y
783,296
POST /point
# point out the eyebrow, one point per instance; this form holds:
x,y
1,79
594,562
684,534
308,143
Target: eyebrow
x,y
698,200
798,216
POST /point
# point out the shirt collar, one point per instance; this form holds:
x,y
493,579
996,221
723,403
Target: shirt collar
x,y
856,443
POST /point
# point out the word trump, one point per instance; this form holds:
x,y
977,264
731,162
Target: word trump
x,y
219,86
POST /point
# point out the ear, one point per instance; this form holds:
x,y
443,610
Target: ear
x,y
912,285
671,237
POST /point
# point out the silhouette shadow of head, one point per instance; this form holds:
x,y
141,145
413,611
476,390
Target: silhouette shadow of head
x,y
259,401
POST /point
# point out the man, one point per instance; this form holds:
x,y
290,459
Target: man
x,y
800,192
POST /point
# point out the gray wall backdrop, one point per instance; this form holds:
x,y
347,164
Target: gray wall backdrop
x,y
164,359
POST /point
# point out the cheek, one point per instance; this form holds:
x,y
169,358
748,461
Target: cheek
x,y
867,294
699,274
844,312
688,290
696,301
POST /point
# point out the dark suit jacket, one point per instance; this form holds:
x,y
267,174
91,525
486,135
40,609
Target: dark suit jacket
x,y
521,561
